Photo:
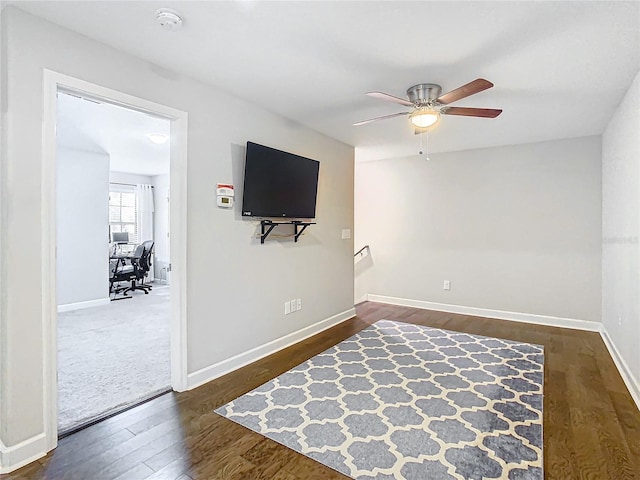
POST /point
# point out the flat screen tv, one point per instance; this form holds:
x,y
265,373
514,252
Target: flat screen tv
x,y
278,184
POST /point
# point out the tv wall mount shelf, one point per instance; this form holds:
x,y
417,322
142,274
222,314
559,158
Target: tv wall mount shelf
x,y
267,226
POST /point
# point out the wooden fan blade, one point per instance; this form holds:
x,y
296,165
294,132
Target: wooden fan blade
x,y
472,112
363,122
390,98
470,88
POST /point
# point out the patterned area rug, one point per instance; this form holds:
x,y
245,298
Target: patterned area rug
x,y
401,401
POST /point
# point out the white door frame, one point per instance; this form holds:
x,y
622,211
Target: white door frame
x,y
53,82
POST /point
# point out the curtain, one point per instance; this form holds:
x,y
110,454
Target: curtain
x,y
144,216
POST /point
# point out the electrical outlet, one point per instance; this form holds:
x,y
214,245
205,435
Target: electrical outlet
x,y
346,233
287,308
447,285
299,304
294,305
619,321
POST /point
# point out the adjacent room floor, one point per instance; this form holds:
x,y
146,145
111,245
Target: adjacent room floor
x,y
113,356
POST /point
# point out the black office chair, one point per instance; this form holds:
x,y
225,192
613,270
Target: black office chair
x,y
148,260
141,263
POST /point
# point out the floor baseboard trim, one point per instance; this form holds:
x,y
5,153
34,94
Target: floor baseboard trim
x,y
484,312
67,307
632,383
219,369
23,453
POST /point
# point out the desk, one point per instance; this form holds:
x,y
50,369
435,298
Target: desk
x,y
121,252
115,261
119,271
118,259
122,249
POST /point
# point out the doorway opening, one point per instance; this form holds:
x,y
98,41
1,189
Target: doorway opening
x,y
112,224
90,335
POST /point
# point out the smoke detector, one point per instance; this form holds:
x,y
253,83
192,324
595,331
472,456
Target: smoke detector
x,y
169,19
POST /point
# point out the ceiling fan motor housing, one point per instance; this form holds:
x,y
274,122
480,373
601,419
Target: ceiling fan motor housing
x,y
424,93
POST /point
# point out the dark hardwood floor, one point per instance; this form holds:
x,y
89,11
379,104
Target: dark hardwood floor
x,y
591,424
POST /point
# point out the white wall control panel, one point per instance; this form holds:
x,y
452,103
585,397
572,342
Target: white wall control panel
x,y
225,195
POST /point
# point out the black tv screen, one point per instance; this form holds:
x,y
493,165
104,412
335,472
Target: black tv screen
x,y
278,184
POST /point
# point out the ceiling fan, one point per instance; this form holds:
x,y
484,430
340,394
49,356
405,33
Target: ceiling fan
x,y
428,104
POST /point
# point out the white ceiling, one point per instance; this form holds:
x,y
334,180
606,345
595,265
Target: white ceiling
x,y
121,133
559,68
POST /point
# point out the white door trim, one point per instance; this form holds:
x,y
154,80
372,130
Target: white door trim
x,y
53,82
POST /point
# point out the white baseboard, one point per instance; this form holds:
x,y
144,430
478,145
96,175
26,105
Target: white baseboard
x,y
484,312
23,453
88,304
632,383
219,369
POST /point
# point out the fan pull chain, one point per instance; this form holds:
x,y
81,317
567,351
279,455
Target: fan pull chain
x,y
426,141
424,149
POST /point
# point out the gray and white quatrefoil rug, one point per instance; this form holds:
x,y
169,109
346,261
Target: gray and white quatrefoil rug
x,y
401,401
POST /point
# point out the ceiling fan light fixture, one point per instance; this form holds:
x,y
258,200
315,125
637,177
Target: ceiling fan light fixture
x,y
424,118
157,138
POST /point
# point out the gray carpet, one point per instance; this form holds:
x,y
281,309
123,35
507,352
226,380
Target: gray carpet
x,y
400,401
112,356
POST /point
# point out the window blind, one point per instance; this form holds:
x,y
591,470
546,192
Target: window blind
x,y
123,211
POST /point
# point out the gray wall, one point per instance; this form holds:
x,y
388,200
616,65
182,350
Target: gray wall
x,y
82,226
620,211
513,228
225,315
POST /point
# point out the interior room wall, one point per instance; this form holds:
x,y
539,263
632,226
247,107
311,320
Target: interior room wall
x,y
513,228
161,226
82,226
620,231
236,287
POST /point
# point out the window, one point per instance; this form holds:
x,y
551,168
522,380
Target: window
x,y
122,213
